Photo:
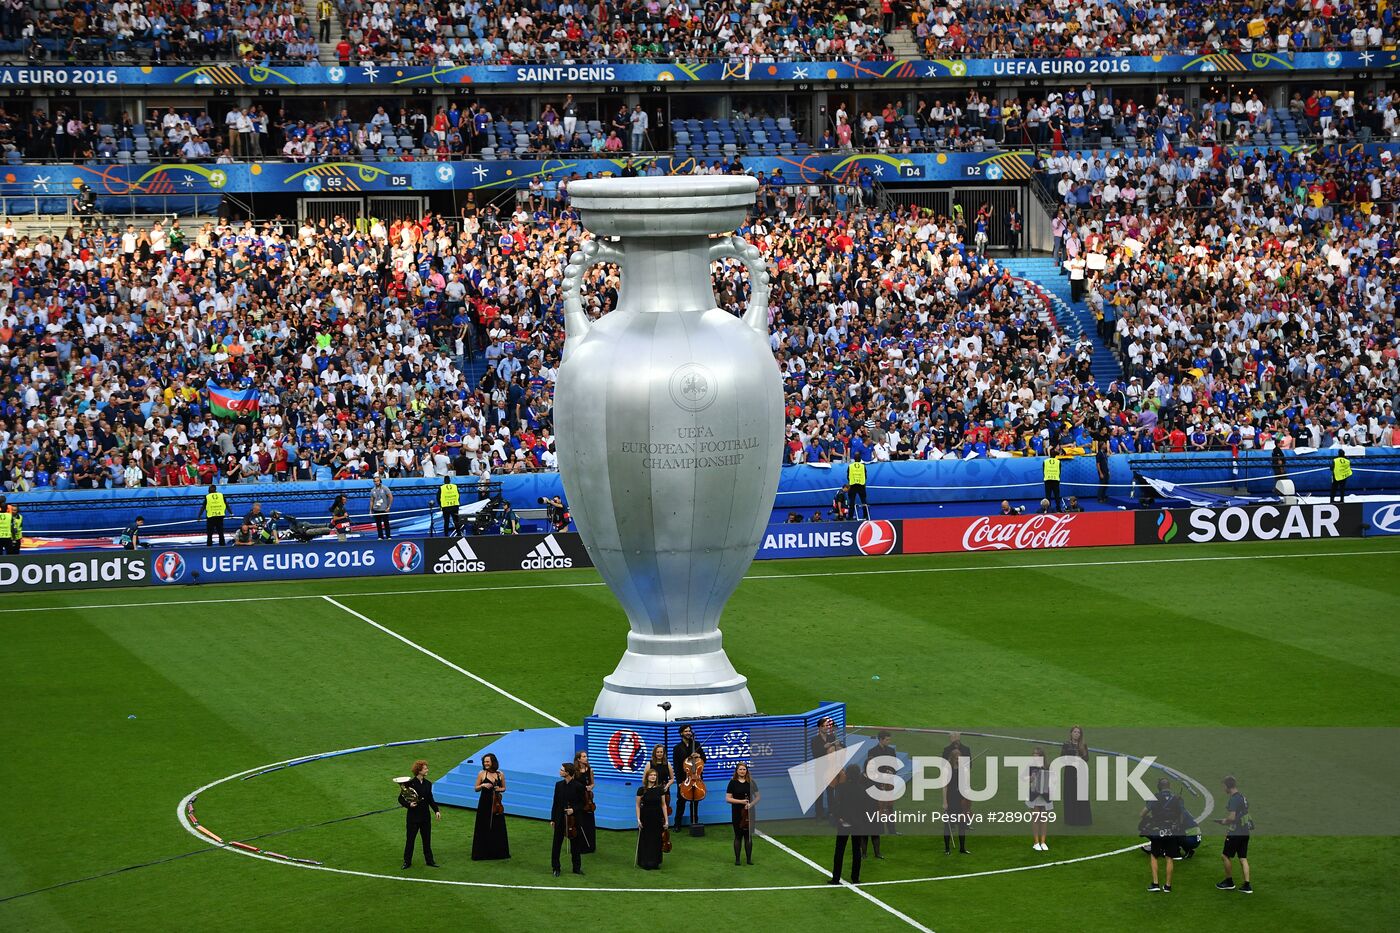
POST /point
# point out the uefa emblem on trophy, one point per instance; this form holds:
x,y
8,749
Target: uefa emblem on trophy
x,y
669,417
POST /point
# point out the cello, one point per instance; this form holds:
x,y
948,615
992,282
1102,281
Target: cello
x,y
693,787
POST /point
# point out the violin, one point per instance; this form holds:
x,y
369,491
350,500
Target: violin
x,y
744,819
693,787
570,825
498,806
589,806
666,832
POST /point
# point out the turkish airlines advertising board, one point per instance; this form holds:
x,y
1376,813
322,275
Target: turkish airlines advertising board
x,y
1016,532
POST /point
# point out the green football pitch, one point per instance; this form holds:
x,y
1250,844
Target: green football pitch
x,y
117,704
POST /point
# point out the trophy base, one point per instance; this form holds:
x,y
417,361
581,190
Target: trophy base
x,y
695,683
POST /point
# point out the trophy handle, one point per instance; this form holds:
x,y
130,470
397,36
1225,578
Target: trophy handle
x,y
733,247
576,323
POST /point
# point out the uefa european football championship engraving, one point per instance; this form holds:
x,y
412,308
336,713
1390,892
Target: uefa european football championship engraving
x,y
669,413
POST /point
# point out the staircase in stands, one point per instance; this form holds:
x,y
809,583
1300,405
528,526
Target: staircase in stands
x,y
1074,316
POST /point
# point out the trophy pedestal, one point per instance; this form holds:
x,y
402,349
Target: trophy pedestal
x,y
692,672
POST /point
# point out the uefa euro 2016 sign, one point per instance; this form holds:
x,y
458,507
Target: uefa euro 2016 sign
x,y
670,417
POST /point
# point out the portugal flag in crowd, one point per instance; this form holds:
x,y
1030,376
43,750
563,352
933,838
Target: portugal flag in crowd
x,y
232,403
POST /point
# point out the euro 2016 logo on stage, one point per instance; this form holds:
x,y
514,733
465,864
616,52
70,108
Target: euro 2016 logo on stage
x,y
407,557
625,750
168,567
876,538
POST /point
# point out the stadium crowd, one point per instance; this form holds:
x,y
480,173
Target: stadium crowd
x,y
1252,295
457,32
991,28
1068,119
1259,314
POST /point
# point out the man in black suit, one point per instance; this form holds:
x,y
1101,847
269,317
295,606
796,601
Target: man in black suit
x,y
418,820
686,747
848,807
569,797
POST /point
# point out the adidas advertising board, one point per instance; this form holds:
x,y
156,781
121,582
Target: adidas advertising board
x,y
1253,523
460,558
491,553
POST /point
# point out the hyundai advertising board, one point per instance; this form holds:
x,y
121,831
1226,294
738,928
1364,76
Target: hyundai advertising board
x,y
1381,518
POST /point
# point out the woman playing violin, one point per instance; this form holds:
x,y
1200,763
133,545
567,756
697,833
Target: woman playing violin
x,y
742,796
489,839
587,822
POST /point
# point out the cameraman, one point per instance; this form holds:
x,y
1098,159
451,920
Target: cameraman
x,y
558,512
841,504
1008,509
1162,822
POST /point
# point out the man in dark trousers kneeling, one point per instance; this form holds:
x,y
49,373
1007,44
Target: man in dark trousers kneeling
x,y
569,798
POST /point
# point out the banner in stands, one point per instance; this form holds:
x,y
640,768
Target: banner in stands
x,y
1252,523
286,562
831,539
1017,532
1381,518
48,188
739,70
488,553
73,571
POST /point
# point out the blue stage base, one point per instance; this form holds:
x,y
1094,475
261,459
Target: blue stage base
x,y
617,750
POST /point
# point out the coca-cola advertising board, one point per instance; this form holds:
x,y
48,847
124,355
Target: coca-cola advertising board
x,y
1016,532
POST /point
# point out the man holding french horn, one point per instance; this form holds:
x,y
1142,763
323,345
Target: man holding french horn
x,y
416,797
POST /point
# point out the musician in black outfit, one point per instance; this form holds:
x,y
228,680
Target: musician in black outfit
x,y
417,819
569,798
883,751
848,807
742,795
686,747
824,742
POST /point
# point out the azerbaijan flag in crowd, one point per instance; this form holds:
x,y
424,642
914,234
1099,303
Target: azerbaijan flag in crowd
x,y
232,403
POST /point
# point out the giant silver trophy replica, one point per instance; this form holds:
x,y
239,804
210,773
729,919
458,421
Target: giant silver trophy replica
x,y
669,423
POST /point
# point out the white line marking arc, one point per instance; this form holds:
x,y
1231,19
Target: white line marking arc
x,y
189,828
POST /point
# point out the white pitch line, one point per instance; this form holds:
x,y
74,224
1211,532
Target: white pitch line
x,y
770,576
437,657
846,884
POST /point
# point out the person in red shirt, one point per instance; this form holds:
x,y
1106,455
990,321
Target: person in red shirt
x,y
342,51
1177,440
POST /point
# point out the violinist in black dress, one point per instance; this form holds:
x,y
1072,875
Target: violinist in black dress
x,y
742,796
652,817
1077,812
587,818
489,839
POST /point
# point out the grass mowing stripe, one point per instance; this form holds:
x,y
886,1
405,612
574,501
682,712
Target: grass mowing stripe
x,y
865,894
770,576
437,657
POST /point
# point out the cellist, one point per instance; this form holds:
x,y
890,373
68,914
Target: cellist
x,y
686,748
